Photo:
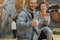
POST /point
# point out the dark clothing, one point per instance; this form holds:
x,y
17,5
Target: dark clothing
x,y
14,33
32,15
42,36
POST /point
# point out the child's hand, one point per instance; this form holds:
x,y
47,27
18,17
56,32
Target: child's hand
x,y
45,18
45,22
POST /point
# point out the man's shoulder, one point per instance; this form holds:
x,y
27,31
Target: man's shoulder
x,y
37,13
23,12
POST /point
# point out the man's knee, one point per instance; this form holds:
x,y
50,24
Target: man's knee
x,y
49,30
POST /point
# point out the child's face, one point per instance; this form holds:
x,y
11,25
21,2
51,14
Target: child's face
x,y
43,7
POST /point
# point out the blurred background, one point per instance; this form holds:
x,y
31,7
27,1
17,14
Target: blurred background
x,y
11,8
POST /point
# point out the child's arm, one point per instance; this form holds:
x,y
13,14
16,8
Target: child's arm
x,y
46,21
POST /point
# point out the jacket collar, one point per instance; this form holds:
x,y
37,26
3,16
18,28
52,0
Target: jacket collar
x,y
28,13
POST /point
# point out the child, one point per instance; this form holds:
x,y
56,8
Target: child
x,y
14,27
45,22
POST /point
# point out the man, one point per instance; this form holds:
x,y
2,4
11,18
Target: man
x,y
26,22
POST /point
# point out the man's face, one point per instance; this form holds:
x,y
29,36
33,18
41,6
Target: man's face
x,y
32,4
43,7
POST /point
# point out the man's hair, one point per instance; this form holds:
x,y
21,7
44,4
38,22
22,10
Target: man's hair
x,y
29,1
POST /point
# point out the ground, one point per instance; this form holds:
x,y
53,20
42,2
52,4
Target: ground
x,y
56,37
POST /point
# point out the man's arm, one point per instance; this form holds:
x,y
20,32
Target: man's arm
x,y
21,20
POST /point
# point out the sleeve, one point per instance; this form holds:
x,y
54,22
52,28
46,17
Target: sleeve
x,y
40,22
47,22
21,20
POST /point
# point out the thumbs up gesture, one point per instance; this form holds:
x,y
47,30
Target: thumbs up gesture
x,y
35,22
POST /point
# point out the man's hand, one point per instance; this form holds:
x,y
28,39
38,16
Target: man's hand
x,y
35,23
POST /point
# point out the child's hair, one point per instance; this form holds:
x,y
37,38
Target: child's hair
x,y
44,2
14,19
